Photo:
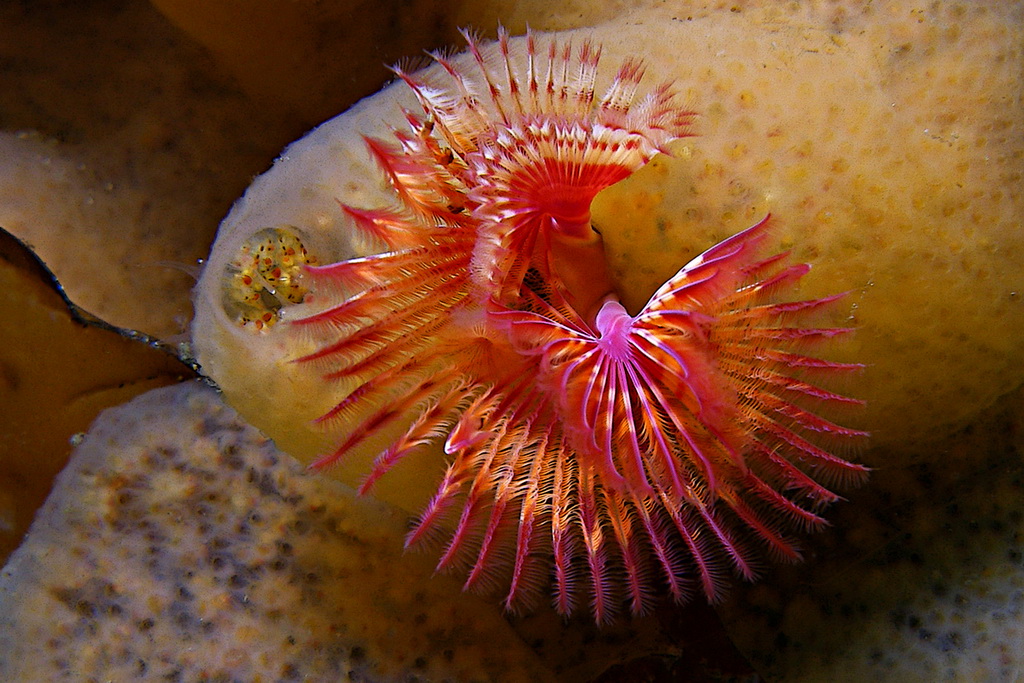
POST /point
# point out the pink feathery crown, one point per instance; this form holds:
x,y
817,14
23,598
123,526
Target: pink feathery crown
x,y
608,456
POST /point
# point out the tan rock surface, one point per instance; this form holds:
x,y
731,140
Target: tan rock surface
x,y
921,579
180,543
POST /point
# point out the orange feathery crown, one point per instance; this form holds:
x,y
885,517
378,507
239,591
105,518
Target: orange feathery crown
x,y
604,454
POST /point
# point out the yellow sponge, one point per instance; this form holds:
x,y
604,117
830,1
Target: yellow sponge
x,y
887,144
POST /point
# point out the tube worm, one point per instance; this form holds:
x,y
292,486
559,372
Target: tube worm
x,y
604,454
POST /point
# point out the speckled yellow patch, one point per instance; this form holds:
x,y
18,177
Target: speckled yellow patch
x,y
265,276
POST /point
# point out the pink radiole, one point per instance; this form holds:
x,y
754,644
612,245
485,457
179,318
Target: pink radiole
x,y
606,455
